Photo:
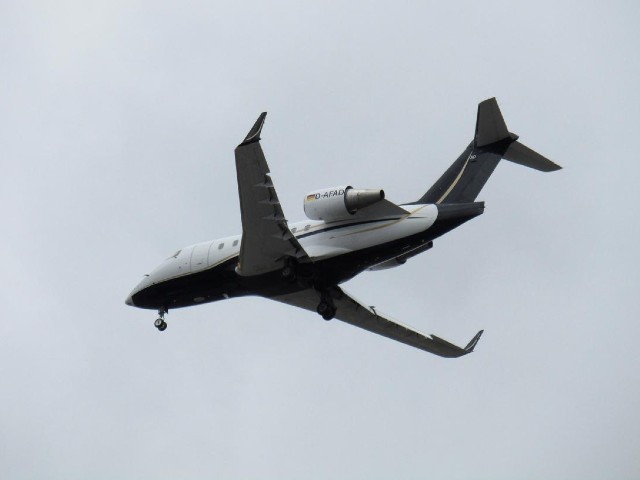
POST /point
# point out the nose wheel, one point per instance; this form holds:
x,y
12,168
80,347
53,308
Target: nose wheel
x,y
160,324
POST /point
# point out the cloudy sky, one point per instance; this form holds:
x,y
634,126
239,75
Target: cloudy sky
x,y
118,122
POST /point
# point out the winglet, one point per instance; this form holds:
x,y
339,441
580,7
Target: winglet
x,y
474,341
454,351
254,133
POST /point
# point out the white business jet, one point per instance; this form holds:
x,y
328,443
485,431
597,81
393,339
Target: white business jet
x,y
349,231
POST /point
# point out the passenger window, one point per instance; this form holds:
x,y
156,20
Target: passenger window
x,y
293,230
235,243
307,227
220,246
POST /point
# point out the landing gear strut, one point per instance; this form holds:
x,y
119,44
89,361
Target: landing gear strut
x,y
300,273
160,324
288,273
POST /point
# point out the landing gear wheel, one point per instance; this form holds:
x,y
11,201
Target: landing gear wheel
x,y
160,324
326,310
330,316
323,307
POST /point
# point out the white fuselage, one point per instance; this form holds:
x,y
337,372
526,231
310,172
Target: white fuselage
x,y
319,239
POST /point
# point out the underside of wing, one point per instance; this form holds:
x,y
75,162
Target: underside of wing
x,y
267,243
350,310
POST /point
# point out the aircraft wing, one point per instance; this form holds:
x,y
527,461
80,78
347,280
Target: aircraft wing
x,y
267,242
351,311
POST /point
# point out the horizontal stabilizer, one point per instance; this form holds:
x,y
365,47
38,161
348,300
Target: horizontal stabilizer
x,y
523,155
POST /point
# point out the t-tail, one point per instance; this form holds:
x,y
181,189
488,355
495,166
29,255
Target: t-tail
x,y
464,179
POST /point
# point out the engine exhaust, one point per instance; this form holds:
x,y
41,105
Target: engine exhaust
x,y
354,199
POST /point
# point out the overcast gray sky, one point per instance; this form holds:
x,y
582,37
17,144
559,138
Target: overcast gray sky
x,y
117,129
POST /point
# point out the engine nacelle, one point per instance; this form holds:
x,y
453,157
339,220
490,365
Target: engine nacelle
x,y
394,262
339,203
401,259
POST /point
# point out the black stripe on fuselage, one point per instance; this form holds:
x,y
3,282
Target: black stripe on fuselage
x,y
221,281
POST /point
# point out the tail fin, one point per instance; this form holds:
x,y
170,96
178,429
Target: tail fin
x,y
490,126
464,179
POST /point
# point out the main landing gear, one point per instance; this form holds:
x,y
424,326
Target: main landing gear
x,y
303,275
160,324
326,308
294,272
288,273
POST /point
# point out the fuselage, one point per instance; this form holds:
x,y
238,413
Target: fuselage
x,y
206,272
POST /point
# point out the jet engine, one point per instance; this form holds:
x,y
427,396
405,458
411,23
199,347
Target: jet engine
x,y
339,203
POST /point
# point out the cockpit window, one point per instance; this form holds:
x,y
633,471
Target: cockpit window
x,y
175,255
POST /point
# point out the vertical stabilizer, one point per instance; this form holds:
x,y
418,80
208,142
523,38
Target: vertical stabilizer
x,y
465,178
490,126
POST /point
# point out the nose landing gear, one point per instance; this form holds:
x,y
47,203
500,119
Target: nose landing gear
x,y
160,324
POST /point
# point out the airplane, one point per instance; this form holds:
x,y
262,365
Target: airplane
x,y
348,231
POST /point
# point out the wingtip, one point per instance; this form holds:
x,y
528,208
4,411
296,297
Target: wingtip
x,y
254,133
554,168
474,341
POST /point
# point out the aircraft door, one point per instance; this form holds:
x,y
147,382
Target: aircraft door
x,y
199,256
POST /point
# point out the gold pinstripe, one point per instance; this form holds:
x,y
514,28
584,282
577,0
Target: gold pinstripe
x,y
392,222
455,182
